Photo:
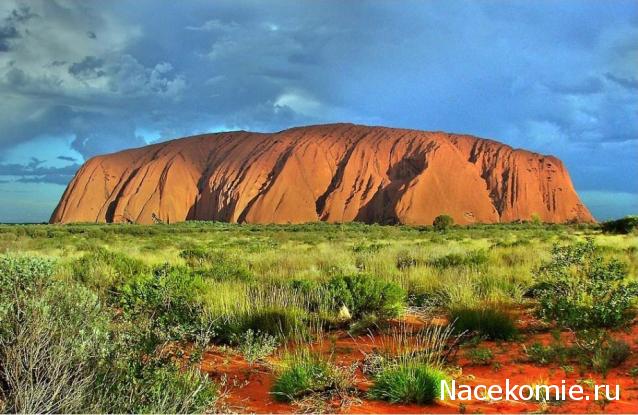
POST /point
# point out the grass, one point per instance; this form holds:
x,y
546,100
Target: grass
x,y
257,287
408,369
305,373
407,383
489,320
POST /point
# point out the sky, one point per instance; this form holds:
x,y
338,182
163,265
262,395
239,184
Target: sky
x,y
80,78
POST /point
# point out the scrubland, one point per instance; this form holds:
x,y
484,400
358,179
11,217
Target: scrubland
x,y
213,317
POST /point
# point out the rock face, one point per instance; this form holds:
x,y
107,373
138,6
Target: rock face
x,y
333,173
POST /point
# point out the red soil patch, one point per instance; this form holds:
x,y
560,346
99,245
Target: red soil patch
x,y
248,387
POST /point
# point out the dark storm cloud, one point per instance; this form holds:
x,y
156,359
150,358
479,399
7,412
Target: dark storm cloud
x,y
87,67
555,77
33,172
6,34
9,28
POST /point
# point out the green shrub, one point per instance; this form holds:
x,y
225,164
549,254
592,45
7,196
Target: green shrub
x,y
554,353
621,226
217,265
610,355
61,351
306,373
170,298
491,322
365,295
407,383
365,248
593,348
480,356
579,289
52,339
155,386
101,270
442,222
471,259
405,260
596,348
254,345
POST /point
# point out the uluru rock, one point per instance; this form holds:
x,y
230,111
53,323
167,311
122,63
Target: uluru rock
x,y
333,173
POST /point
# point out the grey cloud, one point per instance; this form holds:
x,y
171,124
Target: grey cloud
x,y
53,178
9,30
21,14
547,76
6,34
33,172
67,158
97,135
16,169
629,83
89,67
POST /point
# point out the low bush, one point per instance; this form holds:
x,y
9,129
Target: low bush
x,y
101,269
255,345
405,260
365,295
216,265
593,348
306,373
480,356
580,289
52,339
170,298
621,226
443,222
154,385
407,383
470,259
490,321
61,350
597,349
543,355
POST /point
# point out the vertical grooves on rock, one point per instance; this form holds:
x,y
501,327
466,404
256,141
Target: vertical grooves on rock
x,y
338,172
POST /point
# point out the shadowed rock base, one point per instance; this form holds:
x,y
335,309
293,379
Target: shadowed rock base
x,y
333,173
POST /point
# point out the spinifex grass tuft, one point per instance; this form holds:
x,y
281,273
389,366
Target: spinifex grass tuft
x,y
407,383
490,321
409,368
306,373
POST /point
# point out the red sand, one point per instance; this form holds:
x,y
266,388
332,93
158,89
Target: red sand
x,y
247,388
